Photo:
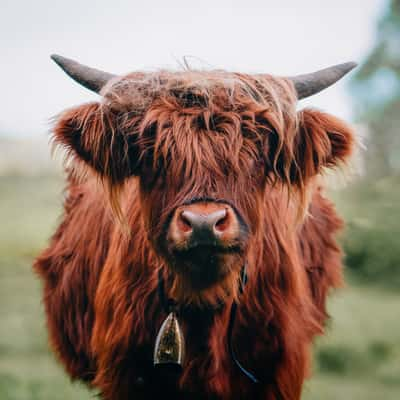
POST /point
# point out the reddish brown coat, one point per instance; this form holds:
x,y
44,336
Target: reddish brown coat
x,y
100,285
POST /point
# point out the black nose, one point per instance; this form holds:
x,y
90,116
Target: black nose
x,y
204,227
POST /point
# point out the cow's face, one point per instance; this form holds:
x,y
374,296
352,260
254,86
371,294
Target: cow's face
x,y
202,182
207,150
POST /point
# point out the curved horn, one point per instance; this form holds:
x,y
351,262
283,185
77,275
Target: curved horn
x,y
91,78
308,84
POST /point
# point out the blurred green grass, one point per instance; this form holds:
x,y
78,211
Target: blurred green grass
x,y
372,236
358,358
29,208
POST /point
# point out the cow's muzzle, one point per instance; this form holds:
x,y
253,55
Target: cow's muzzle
x,y
206,225
206,242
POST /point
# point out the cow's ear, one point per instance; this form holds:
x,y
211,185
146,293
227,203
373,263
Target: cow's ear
x,y
322,141
91,133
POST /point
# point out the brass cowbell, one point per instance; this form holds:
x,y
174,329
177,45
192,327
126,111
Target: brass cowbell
x,y
170,343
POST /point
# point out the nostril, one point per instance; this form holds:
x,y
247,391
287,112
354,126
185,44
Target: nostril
x,y
184,223
223,222
216,222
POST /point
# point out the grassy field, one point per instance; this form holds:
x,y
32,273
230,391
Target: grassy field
x,y
359,358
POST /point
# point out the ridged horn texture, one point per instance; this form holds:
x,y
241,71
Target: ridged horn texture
x,y
91,78
308,84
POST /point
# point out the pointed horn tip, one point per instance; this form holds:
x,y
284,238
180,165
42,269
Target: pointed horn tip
x,y
57,58
309,84
348,66
91,78
61,61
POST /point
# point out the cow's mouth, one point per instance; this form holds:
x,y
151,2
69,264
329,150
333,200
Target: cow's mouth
x,y
205,265
202,254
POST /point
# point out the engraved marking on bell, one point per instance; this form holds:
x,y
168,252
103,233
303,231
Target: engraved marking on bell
x,y
170,344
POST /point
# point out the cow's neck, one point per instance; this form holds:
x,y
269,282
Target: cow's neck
x,y
170,343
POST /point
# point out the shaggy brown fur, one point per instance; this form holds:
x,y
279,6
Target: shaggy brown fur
x,y
156,141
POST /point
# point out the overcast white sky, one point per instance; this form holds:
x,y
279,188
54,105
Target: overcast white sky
x,y
272,36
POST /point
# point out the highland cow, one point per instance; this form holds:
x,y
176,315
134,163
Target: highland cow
x,y
194,193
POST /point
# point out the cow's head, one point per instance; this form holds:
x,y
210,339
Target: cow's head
x,y
207,148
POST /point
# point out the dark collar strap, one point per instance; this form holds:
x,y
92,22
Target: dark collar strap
x,y
232,317
167,304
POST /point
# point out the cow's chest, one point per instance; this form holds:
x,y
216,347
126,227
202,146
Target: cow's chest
x,y
203,366
149,381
